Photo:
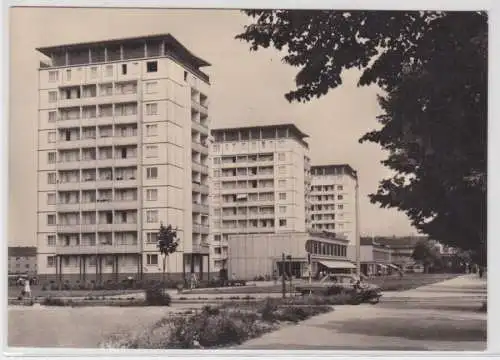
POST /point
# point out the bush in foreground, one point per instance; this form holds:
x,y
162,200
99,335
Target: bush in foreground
x,y
214,327
156,296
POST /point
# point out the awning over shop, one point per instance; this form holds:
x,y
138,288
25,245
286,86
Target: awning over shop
x,y
331,264
382,266
394,266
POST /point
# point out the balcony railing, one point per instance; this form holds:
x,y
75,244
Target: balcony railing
x,y
98,249
200,208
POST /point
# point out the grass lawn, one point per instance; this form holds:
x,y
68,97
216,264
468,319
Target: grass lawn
x,y
389,283
14,291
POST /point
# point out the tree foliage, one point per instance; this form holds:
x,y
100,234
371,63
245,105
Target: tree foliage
x,y
432,70
167,243
424,253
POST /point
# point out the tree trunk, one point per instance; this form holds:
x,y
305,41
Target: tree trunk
x,y
163,275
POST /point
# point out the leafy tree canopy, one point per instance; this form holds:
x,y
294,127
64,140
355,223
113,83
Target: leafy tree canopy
x,y
432,69
167,240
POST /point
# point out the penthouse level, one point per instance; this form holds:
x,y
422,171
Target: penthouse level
x,y
115,50
264,132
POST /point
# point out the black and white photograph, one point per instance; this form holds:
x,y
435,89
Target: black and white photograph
x,y
247,179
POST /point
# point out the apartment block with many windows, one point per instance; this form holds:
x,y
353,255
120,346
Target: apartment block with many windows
x,y
259,185
333,201
122,147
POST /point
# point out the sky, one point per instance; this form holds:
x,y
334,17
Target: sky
x,y
247,88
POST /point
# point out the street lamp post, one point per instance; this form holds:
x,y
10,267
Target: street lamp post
x,y
358,242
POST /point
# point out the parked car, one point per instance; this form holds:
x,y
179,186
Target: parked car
x,y
333,284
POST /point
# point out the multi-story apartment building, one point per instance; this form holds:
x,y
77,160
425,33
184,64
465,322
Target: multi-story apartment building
x,y
333,201
22,260
122,147
260,183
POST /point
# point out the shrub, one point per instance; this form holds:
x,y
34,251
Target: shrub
x,y
44,287
268,310
50,301
156,296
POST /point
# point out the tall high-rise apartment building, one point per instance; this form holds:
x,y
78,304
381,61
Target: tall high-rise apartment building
x,y
333,201
122,147
260,183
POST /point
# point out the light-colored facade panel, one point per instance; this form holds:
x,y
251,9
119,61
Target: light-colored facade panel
x,y
114,157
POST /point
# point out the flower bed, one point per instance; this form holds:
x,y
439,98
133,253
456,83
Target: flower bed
x,y
215,327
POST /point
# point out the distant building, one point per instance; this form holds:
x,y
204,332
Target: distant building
x,y
401,248
253,255
333,200
260,184
375,258
22,260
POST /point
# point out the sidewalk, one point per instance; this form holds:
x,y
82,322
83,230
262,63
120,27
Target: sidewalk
x,y
367,327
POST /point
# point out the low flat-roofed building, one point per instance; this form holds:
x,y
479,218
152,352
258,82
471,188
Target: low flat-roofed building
x,y
375,258
255,255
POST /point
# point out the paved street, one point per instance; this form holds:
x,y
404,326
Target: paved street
x,y
436,317
422,319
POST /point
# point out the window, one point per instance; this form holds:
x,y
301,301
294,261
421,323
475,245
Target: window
x,y
185,75
152,87
152,194
151,237
51,240
68,74
109,70
51,157
152,109
93,72
152,151
152,130
124,69
281,183
51,137
53,76
51,198
340,197
152,173
51,261
282,170
152,66
340,188
282,196
51,219
152,259
52,116
52,96
281,156
282,222
152,216
282,209
51,178
340,206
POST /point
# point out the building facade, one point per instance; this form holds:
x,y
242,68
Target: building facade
x,y
261,179
333,202
22,260
261,255
122,147
375,258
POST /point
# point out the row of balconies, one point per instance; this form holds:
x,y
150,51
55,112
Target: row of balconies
x,y
117,162
231,165
92,228
97,100
92,184
99,205
98,249
200,208
204,189
98,141
101,120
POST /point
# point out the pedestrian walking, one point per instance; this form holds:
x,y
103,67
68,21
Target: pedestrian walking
x,y
27,288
